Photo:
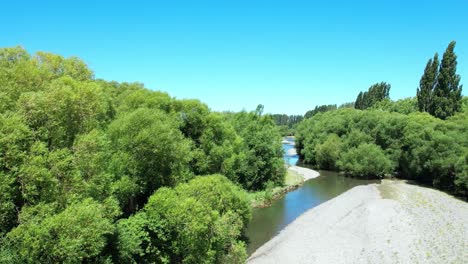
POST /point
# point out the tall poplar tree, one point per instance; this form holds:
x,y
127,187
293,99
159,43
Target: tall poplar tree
x,y
447,97
358,103
427,83
374,94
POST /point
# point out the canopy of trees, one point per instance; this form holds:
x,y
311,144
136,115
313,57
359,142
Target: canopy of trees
x,y
374,143
392,137
105,172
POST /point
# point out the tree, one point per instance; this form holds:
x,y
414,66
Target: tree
x,y
447,97
328,152
15,141
212,212
149,148
320,109
7,203
75,235
92,153
359,104
67,108
427,84
258,152
57,66
376,93
367,160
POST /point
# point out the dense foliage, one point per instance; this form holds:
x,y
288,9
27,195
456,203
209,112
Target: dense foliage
x,y
392,137
105,172
287,120
375,143
187,224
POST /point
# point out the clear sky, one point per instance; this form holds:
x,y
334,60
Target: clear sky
x,y
288,55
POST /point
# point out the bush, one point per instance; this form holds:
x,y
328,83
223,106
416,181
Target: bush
x,y
328,152
366,161
197,222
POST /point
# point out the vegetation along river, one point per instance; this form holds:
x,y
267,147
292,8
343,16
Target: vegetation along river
x,y
268,222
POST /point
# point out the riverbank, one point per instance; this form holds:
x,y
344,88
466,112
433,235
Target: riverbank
x,y
295,177
392,222
305,173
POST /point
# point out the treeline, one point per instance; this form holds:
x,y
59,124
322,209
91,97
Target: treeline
x,y
287,123
375,94
393,137
319,109
104,172
287,120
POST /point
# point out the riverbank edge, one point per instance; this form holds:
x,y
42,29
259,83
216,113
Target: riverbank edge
x,y
260,199
393,206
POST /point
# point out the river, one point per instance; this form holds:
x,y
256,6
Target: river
x,y
268,222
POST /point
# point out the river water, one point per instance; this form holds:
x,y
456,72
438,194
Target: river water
x,y
268,222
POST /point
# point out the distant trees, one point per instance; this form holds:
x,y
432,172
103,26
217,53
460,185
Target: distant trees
x,y
347,105
376,93
402,106
319,109
374,143
439,91
287,123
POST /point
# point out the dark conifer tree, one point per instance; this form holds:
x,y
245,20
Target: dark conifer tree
x,y
358,103
427,83
446,100
376,93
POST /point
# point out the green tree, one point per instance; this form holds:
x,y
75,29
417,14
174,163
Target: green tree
x,y
57,66
259,154
446,100
67,108
328,152
149,148
212,212
374,94
367,160
320,109
92,153
427,84
15,141
7,203
75,235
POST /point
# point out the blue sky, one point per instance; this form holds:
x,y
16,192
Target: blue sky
x,y
288,55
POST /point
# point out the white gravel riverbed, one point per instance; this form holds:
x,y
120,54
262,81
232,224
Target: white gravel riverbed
x,y
392,222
